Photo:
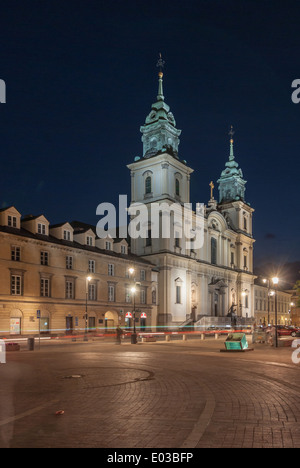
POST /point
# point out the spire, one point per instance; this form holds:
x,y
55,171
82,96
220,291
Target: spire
x,y
159,133
231,182
231,133
160,65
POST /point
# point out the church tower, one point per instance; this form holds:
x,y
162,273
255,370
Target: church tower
x,y
194,281
159,176
231,182
237,212
159,131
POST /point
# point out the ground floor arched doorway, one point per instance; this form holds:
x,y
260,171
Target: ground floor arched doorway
x,y
111,321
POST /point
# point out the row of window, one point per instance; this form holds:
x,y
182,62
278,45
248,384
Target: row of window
x,y
13,222
44,260
214,250
45,290
214,256
67,234
263,306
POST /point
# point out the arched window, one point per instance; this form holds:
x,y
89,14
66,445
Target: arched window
x,y
177,186
213,251
148,185
153,143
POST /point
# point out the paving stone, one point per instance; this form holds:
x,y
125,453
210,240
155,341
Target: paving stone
x,y
156,395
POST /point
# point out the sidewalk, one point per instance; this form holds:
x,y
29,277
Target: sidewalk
x,y
178,394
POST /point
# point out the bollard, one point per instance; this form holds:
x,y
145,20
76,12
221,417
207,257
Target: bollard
x,y
168,338
2,352
30,344
202,336
184,337
133,338
216,336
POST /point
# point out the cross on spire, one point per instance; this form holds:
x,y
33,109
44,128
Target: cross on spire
x,y
231,133
160,64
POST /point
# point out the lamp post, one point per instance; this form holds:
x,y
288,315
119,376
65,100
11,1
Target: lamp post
x,y
88,279
275,282
267,281
133,291
133,336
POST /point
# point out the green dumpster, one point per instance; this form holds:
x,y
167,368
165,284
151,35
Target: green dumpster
x,y
236,342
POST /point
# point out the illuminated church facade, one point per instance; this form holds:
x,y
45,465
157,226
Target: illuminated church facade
x,y
216,280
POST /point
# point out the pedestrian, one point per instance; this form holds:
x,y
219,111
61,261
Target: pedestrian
x,y
119,334
272,335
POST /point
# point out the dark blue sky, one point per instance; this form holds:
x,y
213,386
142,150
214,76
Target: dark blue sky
x,y
81,77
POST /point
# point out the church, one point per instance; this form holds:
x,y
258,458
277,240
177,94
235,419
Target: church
x,y
66,278
205,285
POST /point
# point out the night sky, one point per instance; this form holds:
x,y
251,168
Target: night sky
x,y
81,77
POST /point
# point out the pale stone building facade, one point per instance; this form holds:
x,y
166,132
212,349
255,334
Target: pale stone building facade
x,y
64,270
216,279
264,306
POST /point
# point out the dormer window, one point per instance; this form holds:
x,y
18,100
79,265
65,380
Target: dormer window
x,y
89,241
107,245
42,229
67,235
12,221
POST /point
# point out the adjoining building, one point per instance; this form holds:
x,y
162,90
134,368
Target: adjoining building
x,y
64,271
265,305
295,305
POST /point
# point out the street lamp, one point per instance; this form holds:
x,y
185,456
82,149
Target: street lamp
x,y
133,336
88,279
275,281
270,294
133,291
267,281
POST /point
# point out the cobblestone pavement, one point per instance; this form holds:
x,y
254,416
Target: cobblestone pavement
x,y
150,395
